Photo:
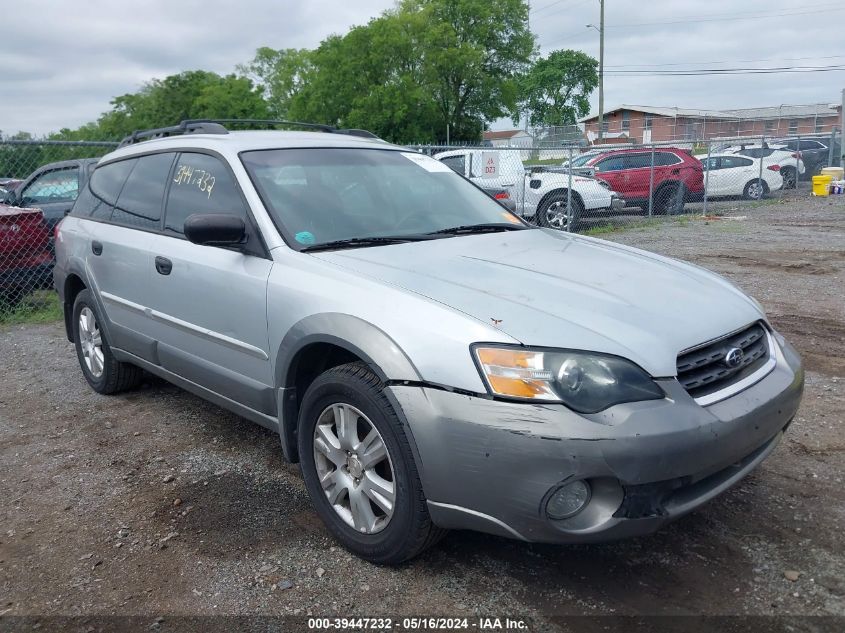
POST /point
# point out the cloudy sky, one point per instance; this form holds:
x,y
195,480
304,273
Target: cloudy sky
x,y
64,61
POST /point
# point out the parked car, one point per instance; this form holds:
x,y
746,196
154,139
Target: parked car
x,y
502,196
430,359
52,188
736,175
790,163
540,196
26,261
677,176
815,152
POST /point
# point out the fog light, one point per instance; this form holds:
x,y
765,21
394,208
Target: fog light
x,y
568,500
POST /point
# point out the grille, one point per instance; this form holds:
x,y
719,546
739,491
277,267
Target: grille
x,y
704,370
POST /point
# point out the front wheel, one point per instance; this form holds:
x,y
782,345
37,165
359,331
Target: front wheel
x,y
555,213
359,469
669,199
754,190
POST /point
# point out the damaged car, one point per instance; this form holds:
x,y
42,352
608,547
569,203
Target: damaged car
x,y
431,360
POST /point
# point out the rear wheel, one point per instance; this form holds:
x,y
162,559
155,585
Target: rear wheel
x,y
554,213
788,174
818,168
359,469
103,372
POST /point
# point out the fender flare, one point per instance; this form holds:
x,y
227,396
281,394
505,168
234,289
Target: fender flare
x,y
366,341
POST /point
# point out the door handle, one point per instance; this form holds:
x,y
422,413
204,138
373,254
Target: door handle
x,y
97,247
163,265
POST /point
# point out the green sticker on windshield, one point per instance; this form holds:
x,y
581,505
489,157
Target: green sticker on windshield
x,y
305,237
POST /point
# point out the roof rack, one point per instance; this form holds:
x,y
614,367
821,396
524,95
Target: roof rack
x,y
215,126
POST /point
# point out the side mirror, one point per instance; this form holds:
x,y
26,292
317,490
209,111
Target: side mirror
x,y
215,229
10,198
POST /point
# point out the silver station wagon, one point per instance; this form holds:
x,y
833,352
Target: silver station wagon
x,y
432,361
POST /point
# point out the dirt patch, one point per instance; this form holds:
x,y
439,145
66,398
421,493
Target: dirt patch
x,y
157,503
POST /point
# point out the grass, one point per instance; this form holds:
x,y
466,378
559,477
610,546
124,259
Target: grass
x,y
678,220
40,307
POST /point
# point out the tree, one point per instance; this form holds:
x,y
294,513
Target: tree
x,y
281,73
473,54
557,89
420,67
194,94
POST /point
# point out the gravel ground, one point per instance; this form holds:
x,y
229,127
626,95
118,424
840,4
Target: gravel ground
x,y
155,503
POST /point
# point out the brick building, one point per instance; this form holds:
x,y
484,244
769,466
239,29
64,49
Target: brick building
x,y
645,124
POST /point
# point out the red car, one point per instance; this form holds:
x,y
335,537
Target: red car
x,y
678,176
26,257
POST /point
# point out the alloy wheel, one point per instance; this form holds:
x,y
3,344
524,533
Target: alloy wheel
x,y
354,468
91,342
557,215
755,191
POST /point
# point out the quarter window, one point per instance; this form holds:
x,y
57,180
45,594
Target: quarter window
x,y
455,163
662,159
200,183
139,203
105,184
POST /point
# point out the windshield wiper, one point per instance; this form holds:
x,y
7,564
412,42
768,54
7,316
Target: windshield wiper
x,y
354,242
479,228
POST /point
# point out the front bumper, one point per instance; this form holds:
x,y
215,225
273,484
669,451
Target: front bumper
x,y
489,465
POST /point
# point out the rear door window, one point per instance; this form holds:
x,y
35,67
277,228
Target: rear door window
x,y
613,163
140,201
200,183
638,161
664,159
736,161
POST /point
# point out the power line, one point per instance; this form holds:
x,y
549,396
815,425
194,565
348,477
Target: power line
x,y
732,61
727,71
729,16
546,6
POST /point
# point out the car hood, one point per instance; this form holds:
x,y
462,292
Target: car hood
x,y
552,289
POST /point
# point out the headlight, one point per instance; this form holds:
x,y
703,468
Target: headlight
x,y
585,382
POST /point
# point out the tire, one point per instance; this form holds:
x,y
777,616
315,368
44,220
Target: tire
x,y
104,373
378,536
788,174
551,212
755,190
669,199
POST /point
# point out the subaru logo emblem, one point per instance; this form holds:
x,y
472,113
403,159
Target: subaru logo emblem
x,y
733,358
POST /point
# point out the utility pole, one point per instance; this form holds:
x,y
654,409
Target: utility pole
x,y
601,70
600,29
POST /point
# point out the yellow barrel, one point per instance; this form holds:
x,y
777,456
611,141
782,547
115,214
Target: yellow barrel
x,y
835,173
821,185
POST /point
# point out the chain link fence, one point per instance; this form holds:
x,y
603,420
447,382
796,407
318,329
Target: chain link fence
x,y
39,182
590,188
563,184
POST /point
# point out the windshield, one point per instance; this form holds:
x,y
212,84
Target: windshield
x,y
322,195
